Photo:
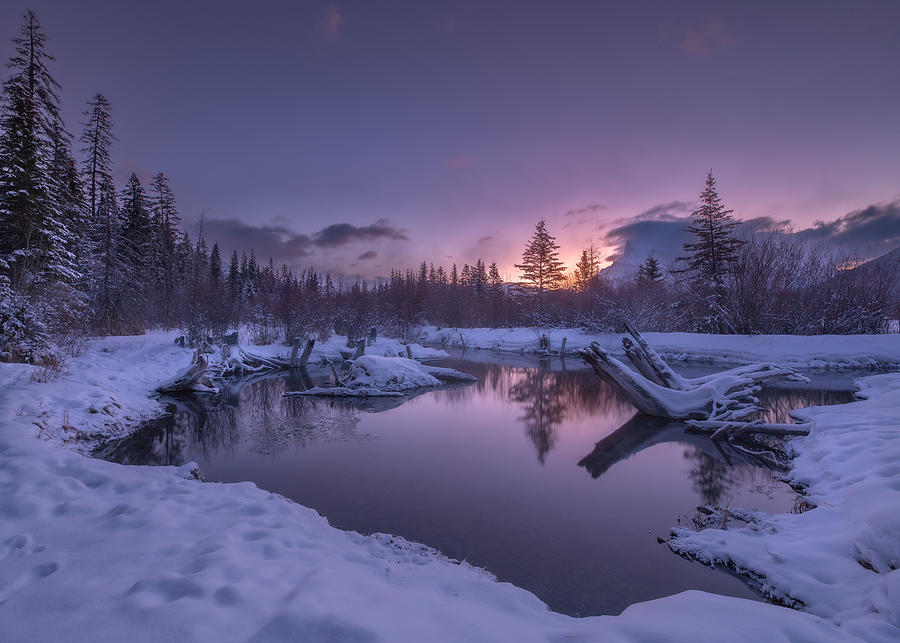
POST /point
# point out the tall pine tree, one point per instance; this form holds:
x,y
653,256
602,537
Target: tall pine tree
x,y
541,268
39,202
713,253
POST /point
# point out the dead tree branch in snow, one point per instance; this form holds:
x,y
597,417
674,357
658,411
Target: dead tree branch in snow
x,y
722,404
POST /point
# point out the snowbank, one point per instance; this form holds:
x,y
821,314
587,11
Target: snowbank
x,y
95,551
389,374
817,351
332,349
841,560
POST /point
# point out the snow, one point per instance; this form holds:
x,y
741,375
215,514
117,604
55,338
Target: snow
x,y
331,349
813,351
389,374
841,560
96,551
346,391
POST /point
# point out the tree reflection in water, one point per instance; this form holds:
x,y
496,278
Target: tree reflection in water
x,y
254,410
251,410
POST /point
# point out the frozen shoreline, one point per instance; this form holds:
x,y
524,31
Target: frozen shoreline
x,y
98,551
814,351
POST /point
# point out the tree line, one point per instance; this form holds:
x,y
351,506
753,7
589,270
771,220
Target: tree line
x,y
79,255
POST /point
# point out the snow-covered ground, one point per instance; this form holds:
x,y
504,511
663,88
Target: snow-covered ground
x,y
842,559
96,551
816,351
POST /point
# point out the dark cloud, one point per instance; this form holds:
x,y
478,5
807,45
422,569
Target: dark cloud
x,y
588,209
873,229
486,240
341,234
670,210
764,224
275,241
368,254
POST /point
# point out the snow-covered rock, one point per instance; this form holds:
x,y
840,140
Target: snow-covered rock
x,y
389,374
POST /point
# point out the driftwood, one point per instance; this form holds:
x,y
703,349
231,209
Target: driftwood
x,y
192,378
719,429
304,357
373,335
360,349
337,378
721,404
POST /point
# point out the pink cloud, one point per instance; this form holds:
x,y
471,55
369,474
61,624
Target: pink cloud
x,y
460,162
332,22
708,36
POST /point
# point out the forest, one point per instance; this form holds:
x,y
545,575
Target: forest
x,y
81,256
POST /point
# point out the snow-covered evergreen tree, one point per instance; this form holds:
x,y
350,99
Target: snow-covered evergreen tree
x,y
165,221
650,272
39,202
137,237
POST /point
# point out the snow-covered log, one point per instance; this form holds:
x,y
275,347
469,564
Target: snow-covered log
x,y
722,429
448,374
727,396
193,378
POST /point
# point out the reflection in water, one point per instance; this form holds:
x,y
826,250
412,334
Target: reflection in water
x,y
541,397
712,477
455,468
253,409
546,397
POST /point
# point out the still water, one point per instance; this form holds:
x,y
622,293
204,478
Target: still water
x,y
539,472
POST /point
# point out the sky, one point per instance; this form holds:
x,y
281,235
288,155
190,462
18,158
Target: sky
x,y
359,137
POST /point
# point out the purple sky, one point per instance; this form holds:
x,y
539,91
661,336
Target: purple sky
x,y
443,131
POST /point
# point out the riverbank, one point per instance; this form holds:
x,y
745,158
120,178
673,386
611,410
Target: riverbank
x,y
813,351
96,551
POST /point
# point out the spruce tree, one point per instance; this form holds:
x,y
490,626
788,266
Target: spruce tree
x,y
39,201
586,269
650,272
165,221
711,257
96,138
137,235
541,268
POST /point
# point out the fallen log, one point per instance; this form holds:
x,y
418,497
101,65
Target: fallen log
x,y
193,378
725,396
719,429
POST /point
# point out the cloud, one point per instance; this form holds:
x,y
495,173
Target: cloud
x,y
764,224
341,234
708,36
332,22
368,254
588,209
275,241
662,211
875,228
486,240
460,162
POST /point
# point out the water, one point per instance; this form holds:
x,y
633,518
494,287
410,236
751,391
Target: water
x,y
539,473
